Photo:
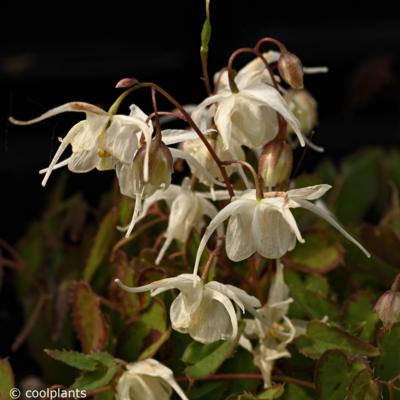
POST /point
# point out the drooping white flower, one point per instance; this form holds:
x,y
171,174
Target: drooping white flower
x,y
267,226
187,212
99,141
249,116
147,380
204,311
274,337
160,161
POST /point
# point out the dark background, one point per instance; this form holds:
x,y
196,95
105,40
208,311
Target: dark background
x,y
78,50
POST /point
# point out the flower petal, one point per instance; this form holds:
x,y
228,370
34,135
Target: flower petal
x,y
223,119
198,112
214,319
269,96
270,232
238,242
231,209
195,166
327,217
77,106
309,192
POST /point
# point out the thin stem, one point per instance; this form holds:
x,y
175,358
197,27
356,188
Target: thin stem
x,y
154,101
281,46
231,71
188,119
204,67
220,377
257,182
211,257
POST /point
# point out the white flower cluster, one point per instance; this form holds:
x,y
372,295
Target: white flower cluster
x,y
250,109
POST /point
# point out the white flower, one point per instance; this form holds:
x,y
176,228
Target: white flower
x,y
267,226
147,380
205,311
249,116
274,337
187,212
99,141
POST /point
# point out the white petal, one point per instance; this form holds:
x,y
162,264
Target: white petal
x,y
214,319
174,136
199,110
137,112
194,165
247,300
315,70
76,106
121,139
288,216
231,209
270,232
83,161
327,217
153,368
309,192
65,142
135,215
56,166
271,97
223,119
163,249
238,242
278,291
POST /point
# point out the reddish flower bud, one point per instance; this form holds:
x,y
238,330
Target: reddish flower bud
x,y
291,70
388,305
276,161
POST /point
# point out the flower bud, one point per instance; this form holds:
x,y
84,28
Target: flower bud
x,y
291,70
276,161
160,164
305,109
388,308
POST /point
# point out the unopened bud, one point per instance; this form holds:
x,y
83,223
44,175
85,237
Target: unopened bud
x,y
160,164
388,308
388,305
291,70
126,83
304,107
276,161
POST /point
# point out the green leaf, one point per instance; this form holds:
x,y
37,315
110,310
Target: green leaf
x,y
211,356
89,322
313,304
295,392
320,253
102,244
95,379
208,390
387,366
334,374
359,317
84,362
274,392
364,387
360,185
6,379
321,337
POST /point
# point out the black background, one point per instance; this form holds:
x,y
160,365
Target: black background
x,y
76,50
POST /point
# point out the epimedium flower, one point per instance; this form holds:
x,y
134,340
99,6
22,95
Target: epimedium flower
x,y
99,141
160,162
187,212
204,311
147,380
249,116
274,337
267,225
